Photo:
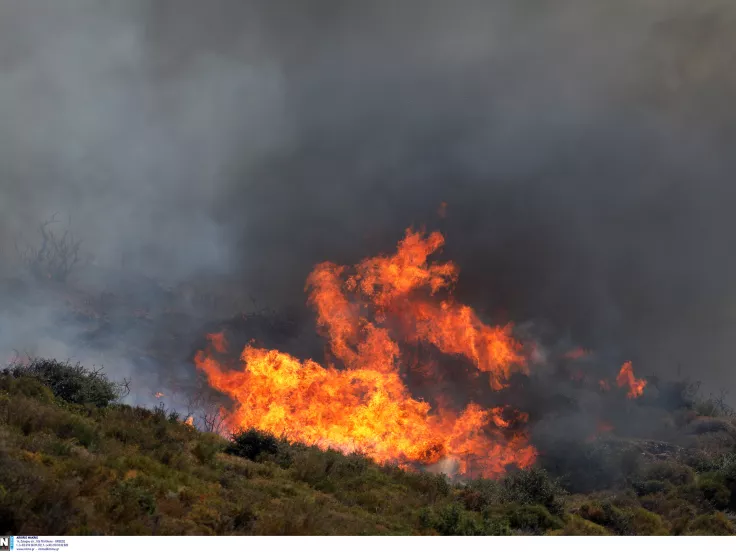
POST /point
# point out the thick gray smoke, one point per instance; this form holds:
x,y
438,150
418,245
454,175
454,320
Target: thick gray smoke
x,y
584,150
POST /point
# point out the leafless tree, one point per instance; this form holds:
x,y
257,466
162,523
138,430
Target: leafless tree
x,y
56,256
213,421
205,406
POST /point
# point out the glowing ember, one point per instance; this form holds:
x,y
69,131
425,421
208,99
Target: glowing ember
x,y
442,210
576,354
601,428
364,405
626,378
604,427
217,340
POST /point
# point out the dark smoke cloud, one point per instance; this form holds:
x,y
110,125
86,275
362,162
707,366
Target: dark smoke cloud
x,y
583,148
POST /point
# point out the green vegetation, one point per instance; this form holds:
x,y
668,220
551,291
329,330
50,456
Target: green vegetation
x,y
75,461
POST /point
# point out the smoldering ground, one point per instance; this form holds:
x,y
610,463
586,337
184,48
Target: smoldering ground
x,y
583,150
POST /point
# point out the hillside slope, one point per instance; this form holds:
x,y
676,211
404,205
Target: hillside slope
x,y
73,461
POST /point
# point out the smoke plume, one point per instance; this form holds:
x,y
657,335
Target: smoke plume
x,y
583,150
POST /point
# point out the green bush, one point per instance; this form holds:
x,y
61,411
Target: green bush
x,y
207,448
533,486
129,501
252,443
713,488
607,515
711,524
70,382
454,520
623,521
643,522
578,526
673,507
533,518
479,494
432,486
26,386
668,471
324,470
651,487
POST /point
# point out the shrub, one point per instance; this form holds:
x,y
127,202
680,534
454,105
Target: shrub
x,y
454,520
252,443
623,521
677,474
70,382
577,526
31,417
714,407
129,501
711,524
431,486
316,468
606,515
28,387
651,487
712,486
672,507
533,486
533,517
643,522
479,494
206,449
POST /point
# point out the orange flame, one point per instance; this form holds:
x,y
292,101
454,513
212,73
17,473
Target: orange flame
x,y
189,421
158,394
626,378
365,406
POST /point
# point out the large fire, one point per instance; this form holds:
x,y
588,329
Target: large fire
x,y
359,402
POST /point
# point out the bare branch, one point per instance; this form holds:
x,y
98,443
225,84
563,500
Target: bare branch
x,y
56,255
